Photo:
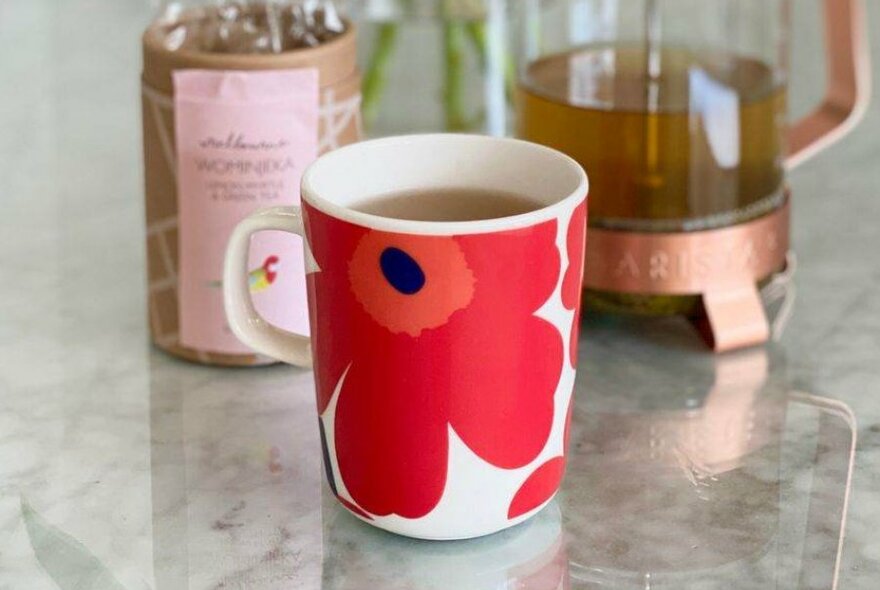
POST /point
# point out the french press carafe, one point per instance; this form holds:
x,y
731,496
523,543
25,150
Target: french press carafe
x,y
677,110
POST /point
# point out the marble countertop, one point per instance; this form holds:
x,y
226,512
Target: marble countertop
x,y
123,468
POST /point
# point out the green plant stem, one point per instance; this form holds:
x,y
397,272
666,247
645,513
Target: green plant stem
x,y
453,87
376,76
476,32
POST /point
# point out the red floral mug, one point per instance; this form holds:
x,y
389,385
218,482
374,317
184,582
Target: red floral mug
x,y
444,351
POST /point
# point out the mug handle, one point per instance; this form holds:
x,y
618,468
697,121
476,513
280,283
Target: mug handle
x,y
250,327
848,83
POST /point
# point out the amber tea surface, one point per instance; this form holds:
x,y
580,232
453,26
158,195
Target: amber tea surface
x,y
695,145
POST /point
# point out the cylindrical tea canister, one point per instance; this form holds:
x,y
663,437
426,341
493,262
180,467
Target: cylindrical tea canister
x,y
225,134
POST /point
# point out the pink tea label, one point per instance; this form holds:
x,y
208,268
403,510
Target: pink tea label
x,y
243,141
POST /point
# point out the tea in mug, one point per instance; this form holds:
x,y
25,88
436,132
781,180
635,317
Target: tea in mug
x,y
447,204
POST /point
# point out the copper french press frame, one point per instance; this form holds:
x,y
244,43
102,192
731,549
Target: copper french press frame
x,y
723,266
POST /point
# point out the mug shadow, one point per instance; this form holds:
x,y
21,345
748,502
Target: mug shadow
x,y
529,556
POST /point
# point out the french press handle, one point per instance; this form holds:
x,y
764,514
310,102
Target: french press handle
x,y
848,83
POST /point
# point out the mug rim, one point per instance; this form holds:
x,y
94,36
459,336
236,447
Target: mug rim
x,y
421,227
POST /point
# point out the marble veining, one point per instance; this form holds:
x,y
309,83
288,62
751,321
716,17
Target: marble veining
x,y
121,467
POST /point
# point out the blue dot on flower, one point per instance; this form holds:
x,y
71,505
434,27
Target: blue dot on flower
x,y
401,271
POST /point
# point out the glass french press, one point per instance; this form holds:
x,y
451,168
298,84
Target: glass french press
x,y
677,110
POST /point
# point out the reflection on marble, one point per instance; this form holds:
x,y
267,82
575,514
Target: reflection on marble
x,y
530,556
685,470
689,470
236,481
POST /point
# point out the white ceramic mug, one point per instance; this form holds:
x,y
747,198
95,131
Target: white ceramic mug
x,y
444,351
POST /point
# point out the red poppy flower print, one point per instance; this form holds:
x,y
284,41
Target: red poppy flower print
x,y
392,314
574,273
543,482
538,487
